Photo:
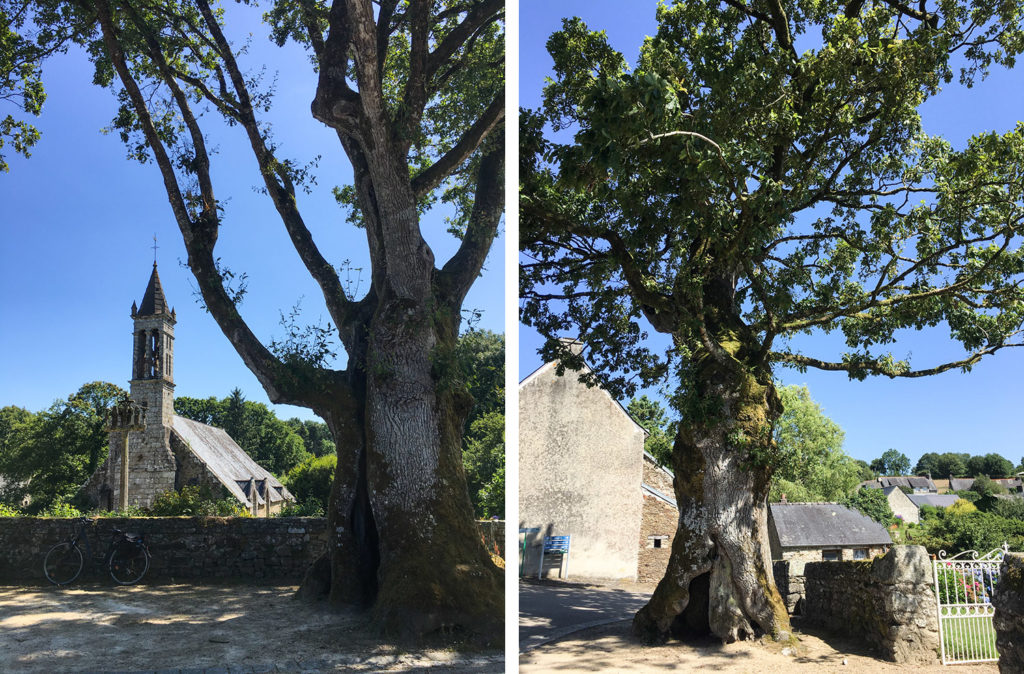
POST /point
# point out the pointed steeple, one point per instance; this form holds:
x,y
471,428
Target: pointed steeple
x,y
153,302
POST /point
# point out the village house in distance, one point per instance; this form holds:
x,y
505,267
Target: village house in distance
x,y
172,452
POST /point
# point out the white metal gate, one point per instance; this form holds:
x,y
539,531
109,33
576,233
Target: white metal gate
x,y
964,584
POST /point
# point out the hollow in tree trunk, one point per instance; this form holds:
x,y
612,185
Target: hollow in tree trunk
x,y
719,577
403,538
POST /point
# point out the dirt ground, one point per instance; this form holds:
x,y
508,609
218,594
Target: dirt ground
x,y
610,648
162,627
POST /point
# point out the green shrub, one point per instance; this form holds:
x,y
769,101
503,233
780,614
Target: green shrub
x,y
8,511
193,501
311,480
61,509
130,511
308,508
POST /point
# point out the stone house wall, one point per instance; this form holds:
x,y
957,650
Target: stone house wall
x,y
789,571
657,531
902,505
889,602
658,477
580,471
658,524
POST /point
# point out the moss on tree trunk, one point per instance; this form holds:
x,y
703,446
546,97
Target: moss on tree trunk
x,y
719,578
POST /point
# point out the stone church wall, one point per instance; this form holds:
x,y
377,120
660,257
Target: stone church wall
x,y
151,471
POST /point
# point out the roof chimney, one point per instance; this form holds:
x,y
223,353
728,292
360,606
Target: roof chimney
x,y
574,345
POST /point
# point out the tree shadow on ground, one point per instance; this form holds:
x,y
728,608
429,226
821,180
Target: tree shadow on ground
x,y
96,627
603,648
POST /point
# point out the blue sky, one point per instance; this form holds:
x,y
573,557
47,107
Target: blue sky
x,y
78,222
978,412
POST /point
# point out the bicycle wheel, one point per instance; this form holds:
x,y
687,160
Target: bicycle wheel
x,y
129,566
63,563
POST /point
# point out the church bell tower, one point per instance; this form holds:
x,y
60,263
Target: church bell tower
x,y
152,382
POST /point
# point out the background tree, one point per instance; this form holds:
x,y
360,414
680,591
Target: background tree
x,y
927,464
991,465
872,503
272,443
951,464
865,470
812,465
316,437
892,462
48,456
660,429
415,94
482,354
744,184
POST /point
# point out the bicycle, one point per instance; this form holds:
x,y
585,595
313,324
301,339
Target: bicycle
x,y
127,557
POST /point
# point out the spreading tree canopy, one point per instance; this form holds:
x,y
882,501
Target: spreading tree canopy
x,y
763,174
413,91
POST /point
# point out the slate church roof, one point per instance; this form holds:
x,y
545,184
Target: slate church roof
x,y
815,525
227,461
153,302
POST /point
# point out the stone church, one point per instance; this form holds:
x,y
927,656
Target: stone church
x,y
168,452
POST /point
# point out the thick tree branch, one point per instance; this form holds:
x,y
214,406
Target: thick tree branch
x,y
858,367
278,183
415,96
435,174
200,238
480,15
462,269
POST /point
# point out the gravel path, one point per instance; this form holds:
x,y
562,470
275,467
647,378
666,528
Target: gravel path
x,y
237,628
611,649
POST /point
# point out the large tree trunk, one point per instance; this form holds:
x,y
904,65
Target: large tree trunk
x,y
719,578
405,542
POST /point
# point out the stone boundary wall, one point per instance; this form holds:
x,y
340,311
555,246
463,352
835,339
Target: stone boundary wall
x,y
887,601
790,585
1008,600
207,548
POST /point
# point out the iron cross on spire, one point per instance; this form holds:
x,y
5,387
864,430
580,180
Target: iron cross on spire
x,y
154,249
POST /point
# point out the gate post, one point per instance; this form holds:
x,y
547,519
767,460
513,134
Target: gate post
x,y
1009,613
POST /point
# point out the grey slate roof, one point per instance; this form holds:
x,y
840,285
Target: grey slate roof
x,y
153,302
658,495
912,481
824,525
961,483
937,500
965,483
229,462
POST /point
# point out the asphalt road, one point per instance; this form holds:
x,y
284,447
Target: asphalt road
x,y
550,610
